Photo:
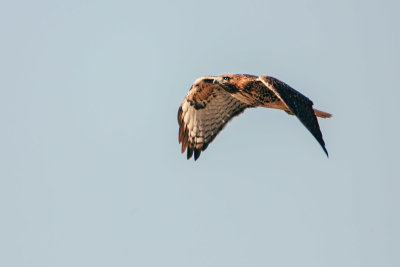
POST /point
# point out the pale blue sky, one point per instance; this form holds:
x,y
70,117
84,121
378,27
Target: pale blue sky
x,y
91,170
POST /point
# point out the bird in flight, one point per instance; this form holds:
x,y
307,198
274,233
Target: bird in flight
x,y
213,101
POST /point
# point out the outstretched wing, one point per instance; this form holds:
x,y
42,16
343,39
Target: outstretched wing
x,y
204,112
297,103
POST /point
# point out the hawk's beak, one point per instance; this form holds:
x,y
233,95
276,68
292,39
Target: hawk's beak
x,y
216,81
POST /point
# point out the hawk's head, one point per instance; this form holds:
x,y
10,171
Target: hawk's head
x,y
233,82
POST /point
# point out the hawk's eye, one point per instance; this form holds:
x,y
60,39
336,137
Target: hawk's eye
x,y
226,78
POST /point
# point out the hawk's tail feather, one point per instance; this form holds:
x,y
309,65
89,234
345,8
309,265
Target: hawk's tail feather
x,y
317,112
322,114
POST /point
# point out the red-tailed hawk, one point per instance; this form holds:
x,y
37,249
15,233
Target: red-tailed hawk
x,y
213,101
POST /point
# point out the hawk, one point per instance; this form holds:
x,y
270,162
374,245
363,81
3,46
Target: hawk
x,y
213,101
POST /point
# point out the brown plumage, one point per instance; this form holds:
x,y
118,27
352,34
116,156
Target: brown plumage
x,y
213,101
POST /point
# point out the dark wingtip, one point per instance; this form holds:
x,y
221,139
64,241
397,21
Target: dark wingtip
x,y
197,153
326,151
189,152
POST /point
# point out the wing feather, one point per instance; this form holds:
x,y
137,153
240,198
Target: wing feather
x,y
297,103
204,112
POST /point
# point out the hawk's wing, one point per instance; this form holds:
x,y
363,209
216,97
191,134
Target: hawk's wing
x,y
204,112
297,103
